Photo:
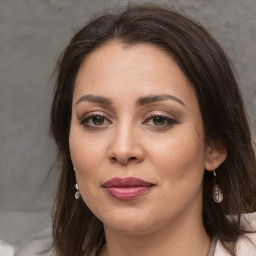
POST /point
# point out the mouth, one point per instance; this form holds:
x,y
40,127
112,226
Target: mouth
x,y
127,188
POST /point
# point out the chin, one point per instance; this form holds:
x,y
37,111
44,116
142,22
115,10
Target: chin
x,y
130,222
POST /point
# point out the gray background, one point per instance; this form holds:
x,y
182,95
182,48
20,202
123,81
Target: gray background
x,y
32,35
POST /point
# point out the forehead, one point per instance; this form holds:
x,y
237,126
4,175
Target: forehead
x,y
120,56
131,70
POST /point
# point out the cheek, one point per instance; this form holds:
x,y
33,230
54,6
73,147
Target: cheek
x,y
87,152
180,156
179,162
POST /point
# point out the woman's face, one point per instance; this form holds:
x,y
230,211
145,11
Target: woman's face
x,y
136,139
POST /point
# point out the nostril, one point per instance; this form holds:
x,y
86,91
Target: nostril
x,y
123,160
132,158
113,159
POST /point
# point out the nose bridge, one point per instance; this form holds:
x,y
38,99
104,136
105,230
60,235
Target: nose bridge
x,y
125,146
124,137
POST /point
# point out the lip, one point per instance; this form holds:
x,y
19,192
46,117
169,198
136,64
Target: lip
x,y
127,188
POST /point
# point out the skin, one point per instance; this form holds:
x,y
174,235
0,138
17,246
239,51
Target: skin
x,y
127,141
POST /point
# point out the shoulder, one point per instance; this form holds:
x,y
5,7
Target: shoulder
x,y
246,245
40,245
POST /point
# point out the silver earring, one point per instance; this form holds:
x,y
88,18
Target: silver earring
x,y
77,194
216,191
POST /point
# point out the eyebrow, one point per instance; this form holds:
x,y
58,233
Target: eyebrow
x,y
155,98
95,99
140,102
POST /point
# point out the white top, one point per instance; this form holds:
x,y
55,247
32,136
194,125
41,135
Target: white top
x,y
246,246
6,249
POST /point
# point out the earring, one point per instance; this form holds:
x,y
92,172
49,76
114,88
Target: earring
x,y
216,191
77,194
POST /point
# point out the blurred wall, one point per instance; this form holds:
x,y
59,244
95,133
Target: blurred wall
x,y
32,35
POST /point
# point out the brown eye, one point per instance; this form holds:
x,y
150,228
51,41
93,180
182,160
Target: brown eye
x,y
98,120
94,120
159,120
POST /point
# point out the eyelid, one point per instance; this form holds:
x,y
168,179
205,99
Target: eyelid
x,y
160,113
92,114
170,119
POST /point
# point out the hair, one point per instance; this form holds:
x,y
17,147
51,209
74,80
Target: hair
x,y
76,231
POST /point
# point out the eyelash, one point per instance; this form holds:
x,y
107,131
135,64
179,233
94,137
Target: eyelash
x,y
168,122
84,121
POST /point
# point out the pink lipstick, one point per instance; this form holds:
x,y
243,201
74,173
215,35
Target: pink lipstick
x,y
127,188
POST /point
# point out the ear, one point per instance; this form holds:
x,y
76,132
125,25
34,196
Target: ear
x,y
216,154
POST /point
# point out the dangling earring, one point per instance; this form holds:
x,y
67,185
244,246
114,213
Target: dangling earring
x,y
77,194
216,191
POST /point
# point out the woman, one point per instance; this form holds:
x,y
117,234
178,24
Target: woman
x,y
153,142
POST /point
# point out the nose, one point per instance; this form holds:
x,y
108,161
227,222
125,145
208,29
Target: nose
x,y
125,146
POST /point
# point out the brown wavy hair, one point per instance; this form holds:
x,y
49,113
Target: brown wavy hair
x,y
76,231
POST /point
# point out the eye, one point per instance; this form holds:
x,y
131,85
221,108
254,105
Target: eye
x,y
98,120
160,121
93,120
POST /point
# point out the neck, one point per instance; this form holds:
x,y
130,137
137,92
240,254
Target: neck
x,y
185,236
